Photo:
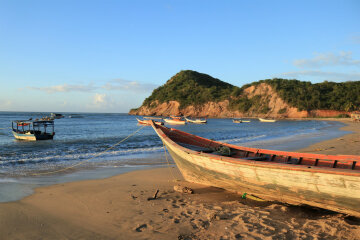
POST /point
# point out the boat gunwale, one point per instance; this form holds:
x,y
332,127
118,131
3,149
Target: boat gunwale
x,y
267,164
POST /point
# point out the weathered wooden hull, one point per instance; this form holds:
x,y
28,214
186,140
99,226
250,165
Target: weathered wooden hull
x,y
294,184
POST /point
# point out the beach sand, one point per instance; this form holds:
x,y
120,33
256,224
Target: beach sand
x,y
119,208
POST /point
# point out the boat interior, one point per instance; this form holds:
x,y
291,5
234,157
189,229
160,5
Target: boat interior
x,y
204,145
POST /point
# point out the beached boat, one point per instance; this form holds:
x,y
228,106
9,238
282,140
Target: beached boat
x,y
266,120
325,181
174,120
240,121
33,130
197,121
148,122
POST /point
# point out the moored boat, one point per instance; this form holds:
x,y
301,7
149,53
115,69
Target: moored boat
x,y
266,120
240,121
175,120
148,122
33,130
197,120
330,182
56,115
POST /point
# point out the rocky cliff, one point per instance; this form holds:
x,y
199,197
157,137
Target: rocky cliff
x,y
194,94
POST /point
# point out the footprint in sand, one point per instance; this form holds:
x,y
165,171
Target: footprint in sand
x,y
141,228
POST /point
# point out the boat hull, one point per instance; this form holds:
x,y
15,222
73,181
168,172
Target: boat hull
x,y
178,122
267,120
197,121
148,122
284,183
32,137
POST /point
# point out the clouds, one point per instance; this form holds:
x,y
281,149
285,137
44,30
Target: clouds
x,y
65,88
327,59
112,85
332,76
120,84
99,99
334,67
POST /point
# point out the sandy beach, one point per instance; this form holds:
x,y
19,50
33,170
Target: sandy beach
x,y
121,207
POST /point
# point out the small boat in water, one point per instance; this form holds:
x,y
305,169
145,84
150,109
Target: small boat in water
x,y
266,120
240,121
33,130
148,121
197,121
175,120
76,116
56,115
325,181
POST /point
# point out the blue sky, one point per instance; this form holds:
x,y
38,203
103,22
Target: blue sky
x,y
108,56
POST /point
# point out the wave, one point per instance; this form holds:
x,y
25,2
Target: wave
x,y
81,156
8,180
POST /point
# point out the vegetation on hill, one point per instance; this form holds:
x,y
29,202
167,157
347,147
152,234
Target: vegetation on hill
x,y
191,88
344,96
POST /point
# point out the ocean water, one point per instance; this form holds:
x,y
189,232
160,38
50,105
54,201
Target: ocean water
x,y
81,138
89,134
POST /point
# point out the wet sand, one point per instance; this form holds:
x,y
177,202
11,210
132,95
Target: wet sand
x,y
119,208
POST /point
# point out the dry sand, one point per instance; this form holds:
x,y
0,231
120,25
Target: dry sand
x,y
118,208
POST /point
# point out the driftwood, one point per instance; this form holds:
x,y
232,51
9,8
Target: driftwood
x,y
155,195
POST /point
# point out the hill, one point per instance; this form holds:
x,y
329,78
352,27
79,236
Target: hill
x,y
196,94
190,88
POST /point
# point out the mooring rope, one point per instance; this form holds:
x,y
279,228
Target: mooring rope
x,y
168,163
96,155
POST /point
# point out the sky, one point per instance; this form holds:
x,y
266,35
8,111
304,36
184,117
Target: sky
x,y
108,56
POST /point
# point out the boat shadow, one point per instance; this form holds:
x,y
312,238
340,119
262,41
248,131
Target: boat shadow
x,y
300,211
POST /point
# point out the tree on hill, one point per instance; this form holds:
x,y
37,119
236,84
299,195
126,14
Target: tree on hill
x,y
191,88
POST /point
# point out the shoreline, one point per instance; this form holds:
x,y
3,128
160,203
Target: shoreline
x,y
117,208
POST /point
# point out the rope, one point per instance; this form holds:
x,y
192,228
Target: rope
x,y
96,155
167,160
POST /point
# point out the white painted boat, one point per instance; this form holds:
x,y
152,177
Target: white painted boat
x,y
33,130
148,122
325,181
240,121
175,120
266,120
197,121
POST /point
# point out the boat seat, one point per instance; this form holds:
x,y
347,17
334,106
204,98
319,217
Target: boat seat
x,y
256,158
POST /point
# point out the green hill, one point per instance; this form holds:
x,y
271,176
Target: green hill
x,y
191,88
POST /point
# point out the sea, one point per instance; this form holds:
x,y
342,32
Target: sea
x,y
99,145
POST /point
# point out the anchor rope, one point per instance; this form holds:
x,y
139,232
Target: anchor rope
x,y
96,155
168,163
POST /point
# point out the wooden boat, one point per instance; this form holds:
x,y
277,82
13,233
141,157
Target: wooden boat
x,y
240,121
174,120
267,120
148,122
56,115
197,121
33,130
325,181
